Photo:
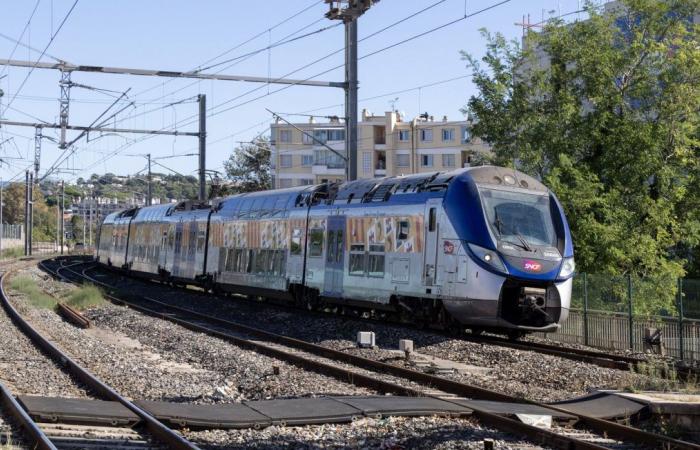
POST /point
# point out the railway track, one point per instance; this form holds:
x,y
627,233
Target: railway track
x,y
598,358
595,433
42,435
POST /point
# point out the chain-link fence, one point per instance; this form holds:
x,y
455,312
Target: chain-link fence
x,y
636,313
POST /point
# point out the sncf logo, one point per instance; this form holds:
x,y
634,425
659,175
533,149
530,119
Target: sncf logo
x,y
532,266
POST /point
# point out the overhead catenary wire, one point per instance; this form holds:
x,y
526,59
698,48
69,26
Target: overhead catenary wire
x,y
53,36
18,40
188,120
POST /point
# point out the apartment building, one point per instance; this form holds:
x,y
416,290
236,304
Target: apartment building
x,y
387,146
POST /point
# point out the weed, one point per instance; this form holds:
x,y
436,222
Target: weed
x,y
36,296
14,252
660,376
84,297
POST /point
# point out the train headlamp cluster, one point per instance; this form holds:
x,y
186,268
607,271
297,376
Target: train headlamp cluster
x,y
489,257
568,267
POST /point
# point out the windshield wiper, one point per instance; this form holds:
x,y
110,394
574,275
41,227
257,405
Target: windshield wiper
x,y
498,223
526,246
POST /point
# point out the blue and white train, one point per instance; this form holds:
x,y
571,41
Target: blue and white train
x,y
484,248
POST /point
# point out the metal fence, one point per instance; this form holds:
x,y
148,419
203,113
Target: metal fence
x,y
615,312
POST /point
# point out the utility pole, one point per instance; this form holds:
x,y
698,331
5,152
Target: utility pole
x,y
149,199
90,203
26,213
37,151
31,212
2,227
64,106
63,208
349,11
202,147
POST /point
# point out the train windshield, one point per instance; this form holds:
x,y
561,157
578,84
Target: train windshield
x,y
519,218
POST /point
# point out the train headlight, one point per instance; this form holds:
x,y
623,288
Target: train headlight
x,y
489,257
568,267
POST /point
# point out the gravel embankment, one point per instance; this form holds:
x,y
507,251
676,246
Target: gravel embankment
x,y
522,373
145,357
390,433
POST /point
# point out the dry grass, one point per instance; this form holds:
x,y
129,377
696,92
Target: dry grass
x,y
661,376
27,286
84,297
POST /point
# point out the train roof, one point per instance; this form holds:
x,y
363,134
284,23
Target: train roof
x,y
397,189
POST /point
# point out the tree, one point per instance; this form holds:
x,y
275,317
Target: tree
x,y
611,124
249,166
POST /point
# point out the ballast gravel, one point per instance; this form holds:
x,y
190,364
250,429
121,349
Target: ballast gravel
x,y
526,374
392,433
144,357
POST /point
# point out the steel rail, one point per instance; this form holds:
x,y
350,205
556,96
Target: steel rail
x,y
537,435
156,428
35,435
601,426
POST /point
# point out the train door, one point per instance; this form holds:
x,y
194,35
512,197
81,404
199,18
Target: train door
x,y
335,257
431,242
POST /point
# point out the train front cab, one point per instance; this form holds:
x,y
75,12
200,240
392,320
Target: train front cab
x,y
517,247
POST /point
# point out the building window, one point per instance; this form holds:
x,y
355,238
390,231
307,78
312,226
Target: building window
x,y
329,135
328,158
366,161
307,160
285,135
448,134
448,160
285,161
306,138
426,160
285,183
306,182
403,135
466,135
402,160
426,134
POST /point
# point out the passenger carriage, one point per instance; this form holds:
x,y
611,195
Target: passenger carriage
x,y
486,247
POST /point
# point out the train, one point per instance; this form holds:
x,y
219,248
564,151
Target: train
x,y
481,248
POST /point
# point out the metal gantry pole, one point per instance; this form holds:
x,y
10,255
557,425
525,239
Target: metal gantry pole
x,y
202,147
2,226
149,199
63,208
351,96
26,214
31,211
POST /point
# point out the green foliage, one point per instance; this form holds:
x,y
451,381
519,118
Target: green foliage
x,y
604,111
248,167
14,252
84,297
36,296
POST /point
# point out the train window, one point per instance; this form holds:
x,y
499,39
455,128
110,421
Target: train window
x,y
249,261
375,261
432,219
357,260
295,246
261,261
339,247
316,242
330,256
403,228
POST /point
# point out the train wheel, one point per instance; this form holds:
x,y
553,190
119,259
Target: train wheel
x,y
514,335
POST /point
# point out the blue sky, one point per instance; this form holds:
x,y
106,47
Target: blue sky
x,y
182,35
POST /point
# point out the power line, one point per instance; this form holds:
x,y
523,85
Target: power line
x,y
237,46
24,30
58,30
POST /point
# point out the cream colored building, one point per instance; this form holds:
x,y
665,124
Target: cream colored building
x,y
387,146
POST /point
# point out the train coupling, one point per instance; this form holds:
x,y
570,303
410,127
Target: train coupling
x,y
532,298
